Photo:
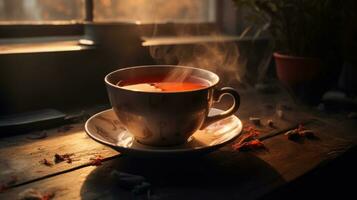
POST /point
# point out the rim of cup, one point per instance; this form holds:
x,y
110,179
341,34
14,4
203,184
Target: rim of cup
x,y
211,83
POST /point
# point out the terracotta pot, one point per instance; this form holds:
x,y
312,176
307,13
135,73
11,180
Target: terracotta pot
x,y
304,76
292,70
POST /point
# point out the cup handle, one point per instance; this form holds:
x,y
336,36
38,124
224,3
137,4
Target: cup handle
x,y
217,95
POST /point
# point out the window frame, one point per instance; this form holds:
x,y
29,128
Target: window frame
x,y
40,30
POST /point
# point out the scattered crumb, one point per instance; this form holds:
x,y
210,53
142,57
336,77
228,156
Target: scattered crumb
x,y
46,162
270,123
64,157
37,135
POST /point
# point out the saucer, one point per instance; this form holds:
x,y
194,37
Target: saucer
x,y
105,128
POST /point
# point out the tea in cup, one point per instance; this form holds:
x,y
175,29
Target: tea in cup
x,y
163,105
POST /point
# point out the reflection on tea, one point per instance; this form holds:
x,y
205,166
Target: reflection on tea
x,y
160,84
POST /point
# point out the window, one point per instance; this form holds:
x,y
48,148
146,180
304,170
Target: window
x,y
154,11
60,20
48,18
75,11
41,11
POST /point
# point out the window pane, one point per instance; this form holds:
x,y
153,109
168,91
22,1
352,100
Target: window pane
x,y
154,11
40,11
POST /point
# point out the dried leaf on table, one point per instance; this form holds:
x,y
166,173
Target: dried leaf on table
x,y
249,141
96,161
250,145
46,162
251,129
64,157
247,137
299,133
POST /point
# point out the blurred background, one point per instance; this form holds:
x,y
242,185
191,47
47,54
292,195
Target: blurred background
x,y
55,54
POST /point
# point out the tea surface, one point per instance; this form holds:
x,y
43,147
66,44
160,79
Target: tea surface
x,y
159,84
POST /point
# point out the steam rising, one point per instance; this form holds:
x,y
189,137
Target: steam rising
x,y
213,52
215,55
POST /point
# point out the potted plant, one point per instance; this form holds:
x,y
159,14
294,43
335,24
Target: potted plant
x,y
305,35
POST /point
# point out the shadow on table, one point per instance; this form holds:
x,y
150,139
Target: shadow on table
x,y
219,175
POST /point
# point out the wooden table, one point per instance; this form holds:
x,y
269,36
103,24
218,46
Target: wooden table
x,y
224,174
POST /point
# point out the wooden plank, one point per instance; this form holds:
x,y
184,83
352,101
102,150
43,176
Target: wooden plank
x,y
292,159
227,173
20,156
